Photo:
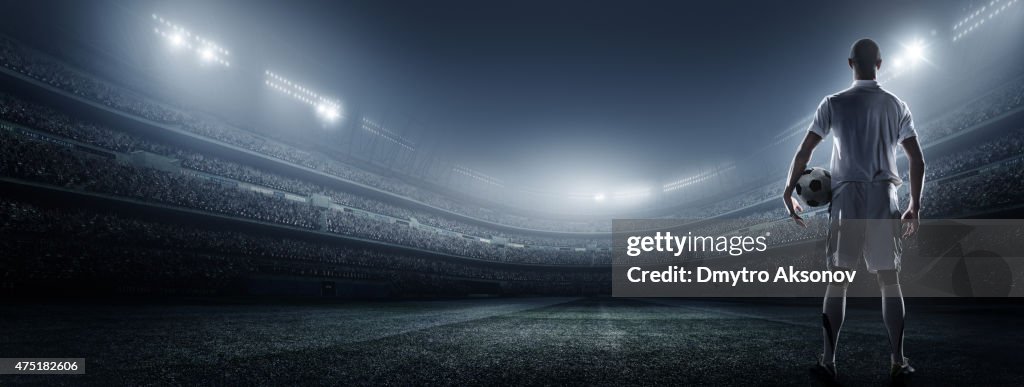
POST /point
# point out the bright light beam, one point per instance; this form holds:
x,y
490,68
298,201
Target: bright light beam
x,y
177,40
179,37
326,108
897,63
915,51
330,113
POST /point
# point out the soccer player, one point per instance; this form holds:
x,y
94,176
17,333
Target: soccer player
x,y
868,123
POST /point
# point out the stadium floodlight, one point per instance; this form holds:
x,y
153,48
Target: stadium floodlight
x,y
977,18
177,40
206,54
477,175
179,37
327,109
379,130
328,112
915,51
913,54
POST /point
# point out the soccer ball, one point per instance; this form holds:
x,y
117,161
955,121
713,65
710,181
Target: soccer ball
x,y
814,187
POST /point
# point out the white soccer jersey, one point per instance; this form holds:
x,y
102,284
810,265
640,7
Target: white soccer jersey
x,y
867,123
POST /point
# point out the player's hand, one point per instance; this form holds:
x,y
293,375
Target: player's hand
x,y
793,207
911,222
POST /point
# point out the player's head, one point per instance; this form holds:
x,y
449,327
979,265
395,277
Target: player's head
x,y
865,58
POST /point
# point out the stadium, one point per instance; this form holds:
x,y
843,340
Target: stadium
x,y
190,194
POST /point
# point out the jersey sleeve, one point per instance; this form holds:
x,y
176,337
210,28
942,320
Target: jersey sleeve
x,y
821,123
906,124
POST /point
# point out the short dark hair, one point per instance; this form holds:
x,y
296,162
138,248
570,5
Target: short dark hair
x,y
865,54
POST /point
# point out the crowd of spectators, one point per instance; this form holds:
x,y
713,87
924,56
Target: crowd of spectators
x,y
57,164
993,188
366,227
1007,145
1001,100
43,243
48,120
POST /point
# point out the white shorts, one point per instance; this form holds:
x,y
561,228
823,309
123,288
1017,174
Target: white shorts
x,y
864,221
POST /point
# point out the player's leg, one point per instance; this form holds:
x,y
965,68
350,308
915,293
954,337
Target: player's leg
x,y
833,313
894,315
843,251
893,311
882,254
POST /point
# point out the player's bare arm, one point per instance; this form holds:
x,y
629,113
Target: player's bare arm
x,y
911,218
800,160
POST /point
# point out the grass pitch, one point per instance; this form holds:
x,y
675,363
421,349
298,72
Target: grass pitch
x,y
543,341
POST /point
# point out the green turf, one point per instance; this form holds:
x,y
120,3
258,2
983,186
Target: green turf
x,y
597,341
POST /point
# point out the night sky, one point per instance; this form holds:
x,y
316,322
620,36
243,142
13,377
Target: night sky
x,y
566,95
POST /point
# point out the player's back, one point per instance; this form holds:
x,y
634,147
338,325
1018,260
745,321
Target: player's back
x,y
867,123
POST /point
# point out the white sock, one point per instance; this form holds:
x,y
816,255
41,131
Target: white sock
x,y
893,314
833,312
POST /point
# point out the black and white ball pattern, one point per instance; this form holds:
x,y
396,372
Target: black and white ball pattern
x,y
814,187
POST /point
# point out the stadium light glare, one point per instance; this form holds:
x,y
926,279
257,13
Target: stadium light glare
x,y
328,112
599,197
915,51
177,40
328,109
206,54
178,37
